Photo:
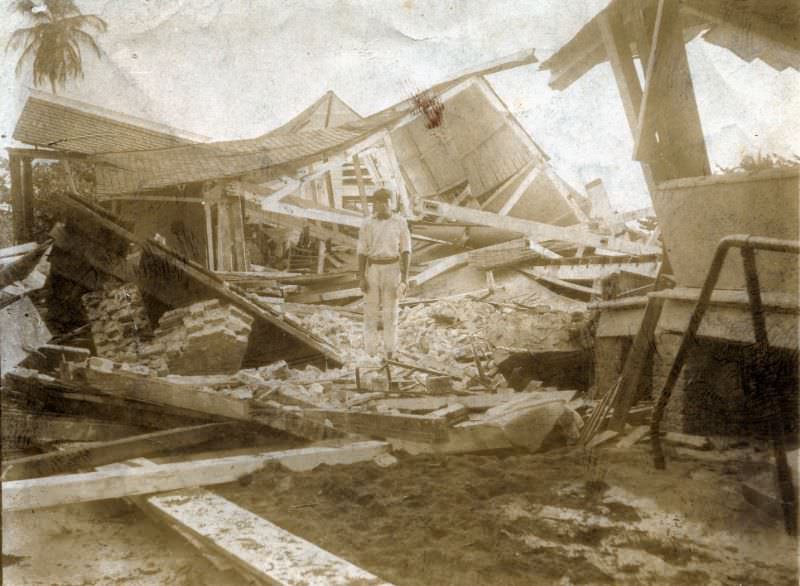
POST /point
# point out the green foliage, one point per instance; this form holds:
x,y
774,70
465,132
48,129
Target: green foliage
x,y
54,41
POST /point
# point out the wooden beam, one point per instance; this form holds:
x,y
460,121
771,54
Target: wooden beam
x,y
293,184
135,446
210,265
45,154
519,191
40,428
75,488
420,428
256,548
633,370
669,104
27,198
260,548
588,272
439,267
258,215
399,180
362,191
163,391
630,90
320,257
537,231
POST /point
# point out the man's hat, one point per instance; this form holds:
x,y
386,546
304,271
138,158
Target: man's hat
x,y
382,195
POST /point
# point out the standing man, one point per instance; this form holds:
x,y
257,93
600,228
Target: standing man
x,y
384,255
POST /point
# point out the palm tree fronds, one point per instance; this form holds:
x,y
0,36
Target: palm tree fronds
x,y
55,39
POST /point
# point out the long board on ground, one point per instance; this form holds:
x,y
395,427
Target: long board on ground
x,y
75,488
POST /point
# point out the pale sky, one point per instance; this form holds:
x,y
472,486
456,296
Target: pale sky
x,y
238,68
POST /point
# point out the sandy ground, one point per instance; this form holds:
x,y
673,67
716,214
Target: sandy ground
x,y
94,544
556,518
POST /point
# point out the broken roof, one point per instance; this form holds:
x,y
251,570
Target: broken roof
x,y
327,112
768,30
292,145
56,122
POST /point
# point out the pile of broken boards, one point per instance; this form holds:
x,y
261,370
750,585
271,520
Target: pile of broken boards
x,y
445,394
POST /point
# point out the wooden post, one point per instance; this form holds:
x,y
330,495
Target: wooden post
x,y
630,90
239,238
669,104
15,168
361,189
27,197
320,257
394,163
209,237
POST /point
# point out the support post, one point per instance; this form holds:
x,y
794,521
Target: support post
x,y
320,257
209,236
624,69
669,104
362,192
27,198
15,168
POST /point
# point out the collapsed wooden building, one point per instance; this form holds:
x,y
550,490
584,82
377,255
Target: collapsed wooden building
x,y
218,296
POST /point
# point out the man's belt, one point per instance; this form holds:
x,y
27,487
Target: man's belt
x,y
383,261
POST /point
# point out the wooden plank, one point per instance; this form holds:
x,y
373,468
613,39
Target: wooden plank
x,y
630,90
634,436
23,428
588,272
162,391
17,251
477,402
633,370
362,190
210,264
399,181
537,231
74,488
419,428
112,451
601,438
669,104
439,267
580,289
267,551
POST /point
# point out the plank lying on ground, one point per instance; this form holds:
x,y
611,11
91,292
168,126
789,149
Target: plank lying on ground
x,y
272,553
480,402
114,451
412,427
75,488
45,392
228,573
25,429
161,391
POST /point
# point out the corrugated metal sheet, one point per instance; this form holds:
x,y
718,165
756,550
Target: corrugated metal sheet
x,y
53,122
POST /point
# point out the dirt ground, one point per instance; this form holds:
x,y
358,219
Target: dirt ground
x,y
513,518
556,518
